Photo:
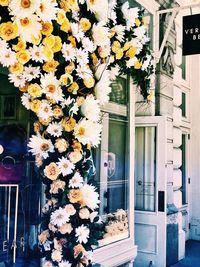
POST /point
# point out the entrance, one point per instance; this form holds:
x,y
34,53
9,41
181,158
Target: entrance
x,y
150,191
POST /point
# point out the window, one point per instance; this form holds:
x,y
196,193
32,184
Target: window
x,y
183,104
183,67
183,169
112,163
145,164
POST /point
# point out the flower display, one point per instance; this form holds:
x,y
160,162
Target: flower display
x,y
63,56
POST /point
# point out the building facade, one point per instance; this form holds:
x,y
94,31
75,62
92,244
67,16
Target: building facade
x,y
147,167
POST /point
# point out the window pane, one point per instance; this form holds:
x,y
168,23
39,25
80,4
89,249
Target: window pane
x,y
183,169
145,164
118,93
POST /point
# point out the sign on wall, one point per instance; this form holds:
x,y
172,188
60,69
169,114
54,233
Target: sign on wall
x,y
191,35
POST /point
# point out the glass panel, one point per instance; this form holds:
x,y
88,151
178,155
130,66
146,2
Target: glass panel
x,y
118,93
145,166
183,105
183,169
183,67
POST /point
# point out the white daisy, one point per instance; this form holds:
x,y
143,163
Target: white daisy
x,y
26,100
90,108
82,56
99,8
130,14
114,72
55,129
51,87
82,234
47,10
74,109
64,264
119,30
65,166
104,75
131,62
88,132
3,45
68,52
23,8
90,196
83,71
45,111
31,73
47,264
77,31
146,63
18,80
28,27
59,217
7,57
40,146
88,44
101,34
67,102
140,32
76,181
36,53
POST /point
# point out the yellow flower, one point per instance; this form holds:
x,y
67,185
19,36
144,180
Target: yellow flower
x,y
116,46
50,66
64,5
72,40
94,59
69,68
23,56
74,195
65,27
49,41
131,52
77,146
21,45
34,90
4,2
45,122
151,95
61,17
35,40
127,45
119,54
57,45
24,89
37,126
8,31
89,83
17,68
51,171
137,22
66,79
137,65
85,24
73,88
68,124
57,112
78,249
35,105
47,28
48,53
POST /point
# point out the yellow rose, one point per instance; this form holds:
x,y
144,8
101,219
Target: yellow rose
x,y
43,236
89,83
65,228
75,195
56,186
57,45
131,52
127,45
21,45
78,249
64,5
35,40
61,144
49,41
70,209
57,112
85,24
8,31
35,105
34,90
69,68
72,40
77,146
52,171
137,22
50,66
65,27
4,2
47,28
37,126
24,89
23,56
48,53
61,17
119,54
137,65
116,46
17,68
68,124
94,59
73,88
66,79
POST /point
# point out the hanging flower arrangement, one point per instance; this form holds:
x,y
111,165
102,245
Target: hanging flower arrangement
x,y
62,55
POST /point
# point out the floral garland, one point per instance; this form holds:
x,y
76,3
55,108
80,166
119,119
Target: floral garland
x,y
62,55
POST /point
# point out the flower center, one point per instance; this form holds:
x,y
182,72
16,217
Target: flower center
x,y
24,22
44,147
81,131
51,88
25,3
